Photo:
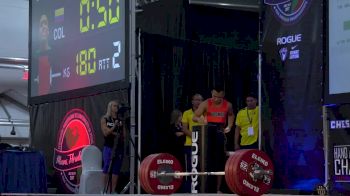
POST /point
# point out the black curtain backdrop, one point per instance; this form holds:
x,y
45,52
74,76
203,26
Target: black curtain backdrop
x,y
165,17
231,28
186,49
292,94
46,120
173,70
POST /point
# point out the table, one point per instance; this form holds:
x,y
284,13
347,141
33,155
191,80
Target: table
x,y
22,172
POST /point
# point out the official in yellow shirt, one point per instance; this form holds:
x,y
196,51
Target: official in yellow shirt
x,y
247,125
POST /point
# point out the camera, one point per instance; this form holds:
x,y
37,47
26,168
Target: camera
x,y
118,126
123,112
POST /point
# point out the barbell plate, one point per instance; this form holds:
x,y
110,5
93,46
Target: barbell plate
x,y
146,174
229,172
236,164
244,184
140,172
164,162
239,164
231,163
143,173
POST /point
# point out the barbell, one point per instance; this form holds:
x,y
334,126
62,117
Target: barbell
x,y
247,172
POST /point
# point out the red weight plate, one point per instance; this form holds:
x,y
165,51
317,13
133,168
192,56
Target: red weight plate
x,y
236,164
242,165
230,175
140,172
164,162
243,168
147,174
142,169
143,173
228,172
267,181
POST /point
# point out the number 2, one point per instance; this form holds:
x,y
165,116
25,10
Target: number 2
x,y
116,54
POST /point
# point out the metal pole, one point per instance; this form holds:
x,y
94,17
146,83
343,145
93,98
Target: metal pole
x,y
259,74
11,123
247,5
257,173
132,63
325,144
139,104
14,61
192,174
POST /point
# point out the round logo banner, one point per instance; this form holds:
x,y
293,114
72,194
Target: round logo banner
x,y
74,134
288,11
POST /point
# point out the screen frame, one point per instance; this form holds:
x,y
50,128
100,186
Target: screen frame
x,y
85,91
340,98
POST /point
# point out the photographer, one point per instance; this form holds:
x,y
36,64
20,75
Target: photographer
x,y
113,150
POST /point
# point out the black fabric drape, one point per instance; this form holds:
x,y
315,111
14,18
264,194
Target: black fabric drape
x,y
165,17
292,94
173,70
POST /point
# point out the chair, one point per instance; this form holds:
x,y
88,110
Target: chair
x,y
92,177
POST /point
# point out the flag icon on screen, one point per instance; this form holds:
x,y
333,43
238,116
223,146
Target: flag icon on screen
x,y
59,15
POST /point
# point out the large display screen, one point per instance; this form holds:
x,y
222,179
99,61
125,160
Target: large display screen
x,y
76,44
338,80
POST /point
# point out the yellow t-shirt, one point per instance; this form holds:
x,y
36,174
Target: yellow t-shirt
x,y
187,118
248,118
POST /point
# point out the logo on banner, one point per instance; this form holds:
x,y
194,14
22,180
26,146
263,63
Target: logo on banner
x,y
294,52
291,52
341,163
74,134
288,11
283,53
339,124
321,190
194,178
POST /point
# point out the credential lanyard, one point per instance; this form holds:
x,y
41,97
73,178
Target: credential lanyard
x,y
249,119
